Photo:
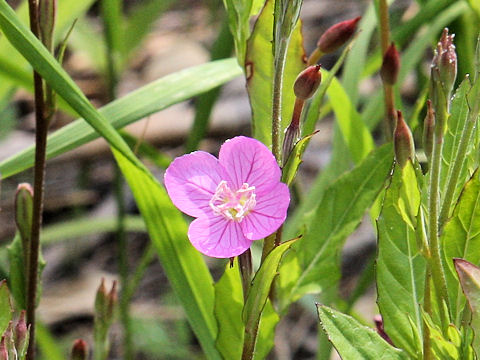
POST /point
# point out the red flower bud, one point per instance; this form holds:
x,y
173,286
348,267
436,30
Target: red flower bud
x,y
3,349
337,35
403,141
21,335
79,350
307,82
390,65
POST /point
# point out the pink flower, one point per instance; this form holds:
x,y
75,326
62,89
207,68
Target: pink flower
x,y
236,198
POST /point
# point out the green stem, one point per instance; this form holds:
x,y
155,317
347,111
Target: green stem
x,y
438,275
246,271
38,190
457,167
427,305
279,68
145,260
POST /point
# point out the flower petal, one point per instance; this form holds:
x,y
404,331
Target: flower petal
x,y
217,237
191,181
269,213
249,161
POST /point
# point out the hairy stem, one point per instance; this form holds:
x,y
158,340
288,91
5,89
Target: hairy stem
x,y
41,128
427,306
436,262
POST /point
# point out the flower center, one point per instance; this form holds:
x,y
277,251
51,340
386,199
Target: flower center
x,y
233,205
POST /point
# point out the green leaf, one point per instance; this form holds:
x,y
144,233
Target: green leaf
x,y
259,72
48,346
149,99
456,122
400,269
5,306
266,332
184,266
354,341
239,13
461,239
46,65
17,279
258,294
355,133
469,276
294,160
339,213
228,312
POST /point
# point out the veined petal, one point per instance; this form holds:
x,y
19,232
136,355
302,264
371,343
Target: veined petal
x,y
217,237
249,161
269,213
191,181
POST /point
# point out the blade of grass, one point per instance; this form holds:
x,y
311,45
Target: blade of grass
x,y
147,100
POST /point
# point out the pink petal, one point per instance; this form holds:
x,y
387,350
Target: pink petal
x,y
269,213
249,161
191,181
217,237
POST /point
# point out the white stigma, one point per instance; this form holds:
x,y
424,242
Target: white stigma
x,y
233,205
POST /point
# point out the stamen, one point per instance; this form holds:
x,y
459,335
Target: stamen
x,y
233,205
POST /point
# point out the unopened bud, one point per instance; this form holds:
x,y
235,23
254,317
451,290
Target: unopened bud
x,y
390,65
429,130
307,82
443,69
47,10
21,335
112,301
9,341
3,349
337,35
101,300
377,319
403,141
79,350
24,212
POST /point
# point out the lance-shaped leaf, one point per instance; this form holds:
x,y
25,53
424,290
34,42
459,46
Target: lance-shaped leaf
x,y
461,239
354,341
469,276
339,213
400,269
259,72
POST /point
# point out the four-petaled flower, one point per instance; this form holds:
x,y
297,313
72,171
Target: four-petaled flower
x,y
236,199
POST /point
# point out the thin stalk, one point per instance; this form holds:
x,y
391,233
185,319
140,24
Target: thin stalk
x,y
246,271
390,113
457,167
145,260
436,262
38,190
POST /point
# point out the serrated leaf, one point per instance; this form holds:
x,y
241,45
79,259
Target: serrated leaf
x,y
461,239
5,306
339,213
184,266
400,269
469,276
259,72
354,341
147,100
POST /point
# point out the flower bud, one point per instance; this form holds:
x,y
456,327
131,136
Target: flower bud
x,y
429,130
3,349
21,335
24,212
79,350
307,82
390,65
403,141
443,69
112,299
337,35
101,300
